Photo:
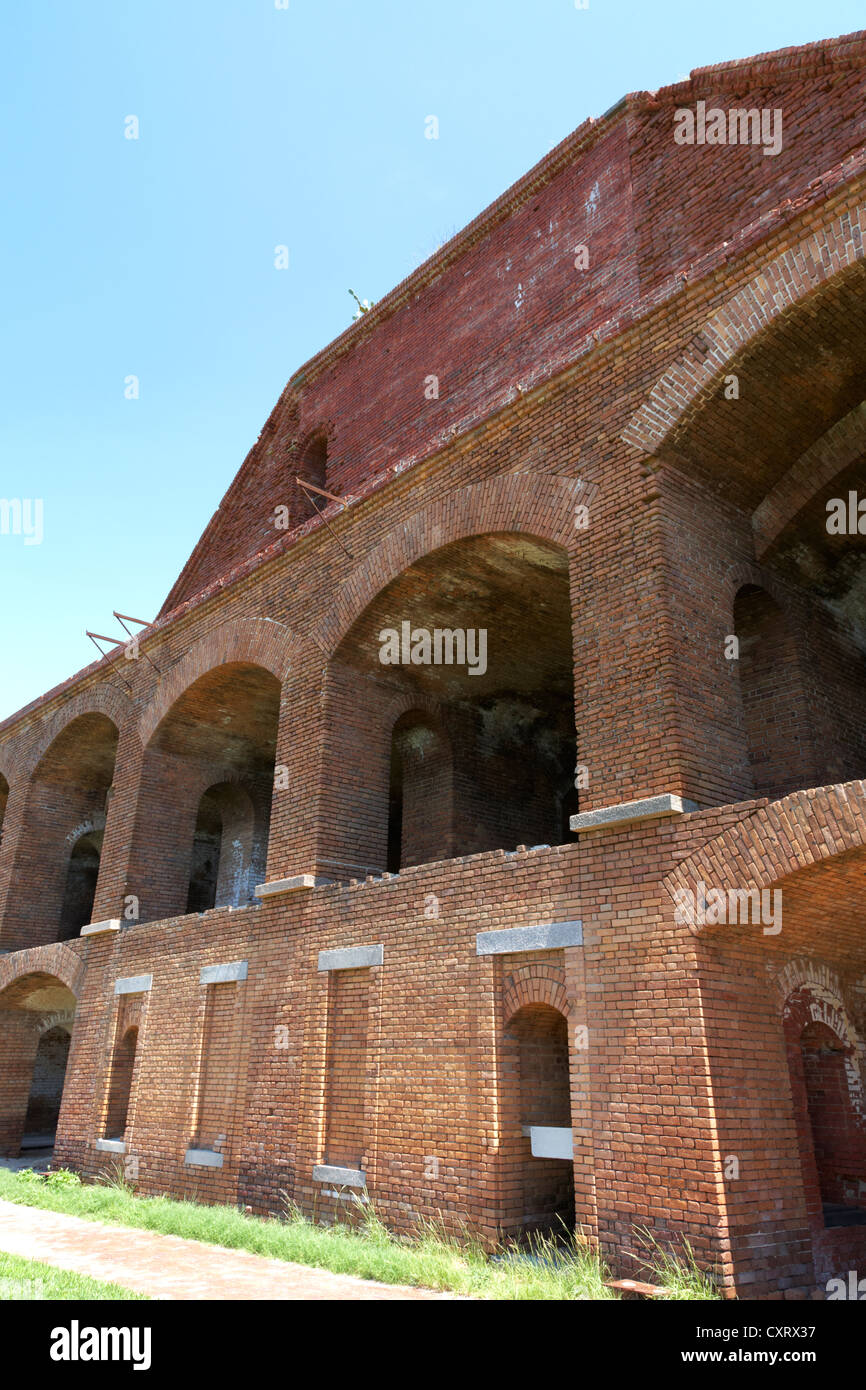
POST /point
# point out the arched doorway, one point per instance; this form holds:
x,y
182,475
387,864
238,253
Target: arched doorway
x,y
537,1077
120,1088
207,784
82,875
37,1015
453,693
838,1137
223,848
46,1090
57,864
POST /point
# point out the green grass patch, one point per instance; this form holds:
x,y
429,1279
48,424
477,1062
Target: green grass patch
x,y
429,1258
23,1279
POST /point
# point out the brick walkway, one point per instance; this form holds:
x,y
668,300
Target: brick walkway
x,y
169,1267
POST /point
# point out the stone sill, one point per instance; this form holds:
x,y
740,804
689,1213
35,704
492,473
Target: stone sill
x,y
299,883
627,812
203,1158
340,1177
100,928
111,1146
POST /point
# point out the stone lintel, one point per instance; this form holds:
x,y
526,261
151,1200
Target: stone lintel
x,y
548,937
351,958
223,974
133,984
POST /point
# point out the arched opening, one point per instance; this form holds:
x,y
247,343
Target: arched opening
x,y
779,458
82,875
37,1015
536,1056
57,861
222,870
46,1090
203,816
421,802
475,641
313,465
120,1087
775,710
837,1132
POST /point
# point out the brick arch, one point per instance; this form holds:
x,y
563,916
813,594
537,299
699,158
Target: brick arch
x,y
762,850
823,986
498,505
843,444
256,642
55,960
535,984
740,575
404,702
785,282
99,699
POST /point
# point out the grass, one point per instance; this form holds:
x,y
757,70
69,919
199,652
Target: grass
x,y
429,1258
679,1274
29,1279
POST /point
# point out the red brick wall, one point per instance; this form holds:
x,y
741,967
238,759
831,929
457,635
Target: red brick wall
x,y
678,1056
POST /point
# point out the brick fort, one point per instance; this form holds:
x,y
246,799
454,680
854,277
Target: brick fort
x,y
480,827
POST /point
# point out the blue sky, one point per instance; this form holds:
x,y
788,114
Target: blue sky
x,y
259,127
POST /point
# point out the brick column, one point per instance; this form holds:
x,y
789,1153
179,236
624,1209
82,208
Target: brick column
x,y
114,861
624,676
297,811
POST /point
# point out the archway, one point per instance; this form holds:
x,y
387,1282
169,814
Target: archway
x,y
227,861
207,782
57,863
834,1133
454,686
120,1087
37,1013
82,875
46,1089
536,1048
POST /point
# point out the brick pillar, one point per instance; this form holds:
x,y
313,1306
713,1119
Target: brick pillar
x,y
309,802
111,886
624,678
